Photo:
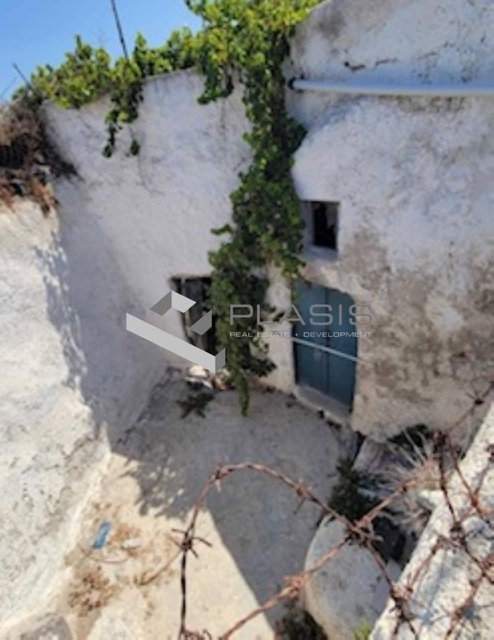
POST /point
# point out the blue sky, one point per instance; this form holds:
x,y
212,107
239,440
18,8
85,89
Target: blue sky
x,y
36,32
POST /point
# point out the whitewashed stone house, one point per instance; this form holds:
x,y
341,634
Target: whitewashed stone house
x,y
411,179
396,191
398,195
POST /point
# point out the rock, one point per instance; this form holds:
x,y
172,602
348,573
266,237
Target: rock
x,y
197,372
428,499
349,590
222,380
198,377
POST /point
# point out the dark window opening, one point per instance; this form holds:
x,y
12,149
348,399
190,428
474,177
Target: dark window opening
x,y
325,224
197,289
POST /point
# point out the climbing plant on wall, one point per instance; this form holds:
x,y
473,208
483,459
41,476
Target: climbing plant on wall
x,y
242,41
249,42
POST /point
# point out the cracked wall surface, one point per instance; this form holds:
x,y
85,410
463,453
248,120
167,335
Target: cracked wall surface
x,y
394,41
414,178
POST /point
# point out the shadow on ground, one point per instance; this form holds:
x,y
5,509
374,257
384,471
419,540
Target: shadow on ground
x,y
258,530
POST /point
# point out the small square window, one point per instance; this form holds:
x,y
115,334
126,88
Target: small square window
x,y
324,223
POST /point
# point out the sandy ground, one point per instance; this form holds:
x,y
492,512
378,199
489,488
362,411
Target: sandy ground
x,y
257,534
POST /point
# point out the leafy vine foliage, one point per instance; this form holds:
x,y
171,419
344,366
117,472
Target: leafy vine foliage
x,y
88,74
242,41
249,41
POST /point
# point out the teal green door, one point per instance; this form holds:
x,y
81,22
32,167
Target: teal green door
x,y
325,361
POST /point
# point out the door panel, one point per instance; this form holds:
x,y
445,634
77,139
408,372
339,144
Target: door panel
x,y
326,372
341,370
312,363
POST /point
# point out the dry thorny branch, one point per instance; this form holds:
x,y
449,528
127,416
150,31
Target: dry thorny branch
x,y
28,160
360,532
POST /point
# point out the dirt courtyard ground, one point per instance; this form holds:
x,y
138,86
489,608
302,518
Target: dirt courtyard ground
x,y
130,589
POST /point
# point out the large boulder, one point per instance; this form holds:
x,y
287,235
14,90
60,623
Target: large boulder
x,y
350,589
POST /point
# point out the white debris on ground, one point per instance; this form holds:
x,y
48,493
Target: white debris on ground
x,y
198,376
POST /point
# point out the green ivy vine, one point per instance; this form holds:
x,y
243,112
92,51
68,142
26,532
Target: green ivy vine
x,y
242,41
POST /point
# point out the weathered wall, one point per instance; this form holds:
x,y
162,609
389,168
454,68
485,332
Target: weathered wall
x,y
73,379
392,41
413,178
415,181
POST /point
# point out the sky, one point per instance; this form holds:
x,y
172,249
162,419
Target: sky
x,y
34,32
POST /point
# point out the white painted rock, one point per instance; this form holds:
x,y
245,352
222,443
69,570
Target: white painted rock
x,y
349,589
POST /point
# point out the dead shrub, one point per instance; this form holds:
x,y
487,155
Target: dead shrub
x,y
414,460
28,160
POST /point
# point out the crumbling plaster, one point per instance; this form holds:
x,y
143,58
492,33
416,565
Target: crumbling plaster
x,y
394,42
415,181
414,178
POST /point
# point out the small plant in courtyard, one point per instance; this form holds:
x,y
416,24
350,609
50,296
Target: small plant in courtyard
x,y
195,403
297,624
348,496
414,458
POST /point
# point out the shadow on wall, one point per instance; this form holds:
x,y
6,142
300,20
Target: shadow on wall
x,y
87,298
166,457
169,458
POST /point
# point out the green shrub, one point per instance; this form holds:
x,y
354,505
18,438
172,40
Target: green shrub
x,y
348,497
